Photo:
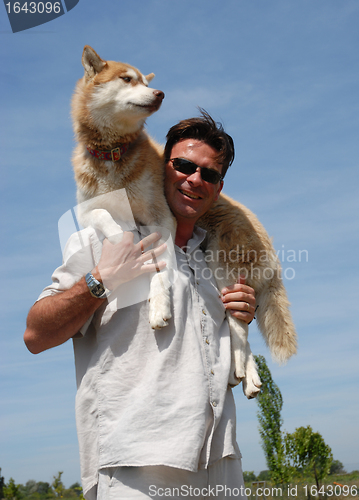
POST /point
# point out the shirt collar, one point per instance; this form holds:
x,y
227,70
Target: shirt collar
x,y
193,243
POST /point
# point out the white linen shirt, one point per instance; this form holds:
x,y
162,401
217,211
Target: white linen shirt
x,y
151,397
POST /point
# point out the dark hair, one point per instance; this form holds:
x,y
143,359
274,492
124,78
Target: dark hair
x,y
204,129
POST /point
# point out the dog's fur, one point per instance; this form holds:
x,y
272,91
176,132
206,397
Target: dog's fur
x,y
237,243
109,107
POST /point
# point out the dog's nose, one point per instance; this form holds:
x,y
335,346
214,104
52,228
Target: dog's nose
x,y
159,94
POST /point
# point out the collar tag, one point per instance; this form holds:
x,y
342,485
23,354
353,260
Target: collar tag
x,y
114,154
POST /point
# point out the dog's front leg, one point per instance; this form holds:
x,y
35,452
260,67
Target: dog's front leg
x,y
239,334
160,298
243,366
238,329
251,384
102,220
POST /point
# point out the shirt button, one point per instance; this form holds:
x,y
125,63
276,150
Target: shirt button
x,y
207,341
212,372
204,312
214,403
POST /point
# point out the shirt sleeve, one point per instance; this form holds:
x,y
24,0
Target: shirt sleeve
x,y
81,255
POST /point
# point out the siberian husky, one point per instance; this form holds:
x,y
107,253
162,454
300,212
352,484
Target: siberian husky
x,y
109,108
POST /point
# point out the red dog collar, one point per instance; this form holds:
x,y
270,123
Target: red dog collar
x,y
112,155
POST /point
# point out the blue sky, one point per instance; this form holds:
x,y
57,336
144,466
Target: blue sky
x,y
283,77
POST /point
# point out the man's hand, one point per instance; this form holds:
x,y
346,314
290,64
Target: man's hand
x,y
239,299
55,319
124,261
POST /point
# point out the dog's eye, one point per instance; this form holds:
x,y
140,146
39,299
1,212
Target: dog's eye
x,y
126,79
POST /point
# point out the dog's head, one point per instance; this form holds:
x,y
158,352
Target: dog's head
x,y
116,94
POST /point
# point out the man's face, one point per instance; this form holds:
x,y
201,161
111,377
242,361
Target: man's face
x,y
189,196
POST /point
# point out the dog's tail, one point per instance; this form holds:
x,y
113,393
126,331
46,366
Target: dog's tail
x,y
274,319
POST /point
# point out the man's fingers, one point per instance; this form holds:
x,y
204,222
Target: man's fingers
x,y
241,310
238,287
147,241
149,267
239,297
241,280
240,306
148,255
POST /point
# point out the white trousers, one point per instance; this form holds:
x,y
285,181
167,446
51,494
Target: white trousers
x,y
222,480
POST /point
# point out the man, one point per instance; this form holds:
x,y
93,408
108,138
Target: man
x,y
155,414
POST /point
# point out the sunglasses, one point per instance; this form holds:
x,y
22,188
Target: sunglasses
x,y
188,167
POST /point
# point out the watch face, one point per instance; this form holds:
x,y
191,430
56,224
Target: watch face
x,y
98,290
95,287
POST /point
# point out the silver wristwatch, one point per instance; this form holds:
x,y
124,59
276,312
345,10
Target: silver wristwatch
x,y
95,287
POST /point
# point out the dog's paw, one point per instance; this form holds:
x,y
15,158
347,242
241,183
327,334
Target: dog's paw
x,y
239,333
160,311
160,301
237,371
251,383
158,323
250,388
239,364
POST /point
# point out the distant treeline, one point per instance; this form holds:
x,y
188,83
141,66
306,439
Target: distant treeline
x,y
40,490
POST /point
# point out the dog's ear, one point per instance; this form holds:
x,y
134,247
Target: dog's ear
x,y
150,77
92,62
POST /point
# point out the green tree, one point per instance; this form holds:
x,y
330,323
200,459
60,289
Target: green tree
x,y
307,449
12,490
2,484
264,475
337,468
58,486
76,487
30,487
270,404
249,477
43,488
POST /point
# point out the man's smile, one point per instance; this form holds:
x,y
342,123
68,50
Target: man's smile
x,y
190,195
